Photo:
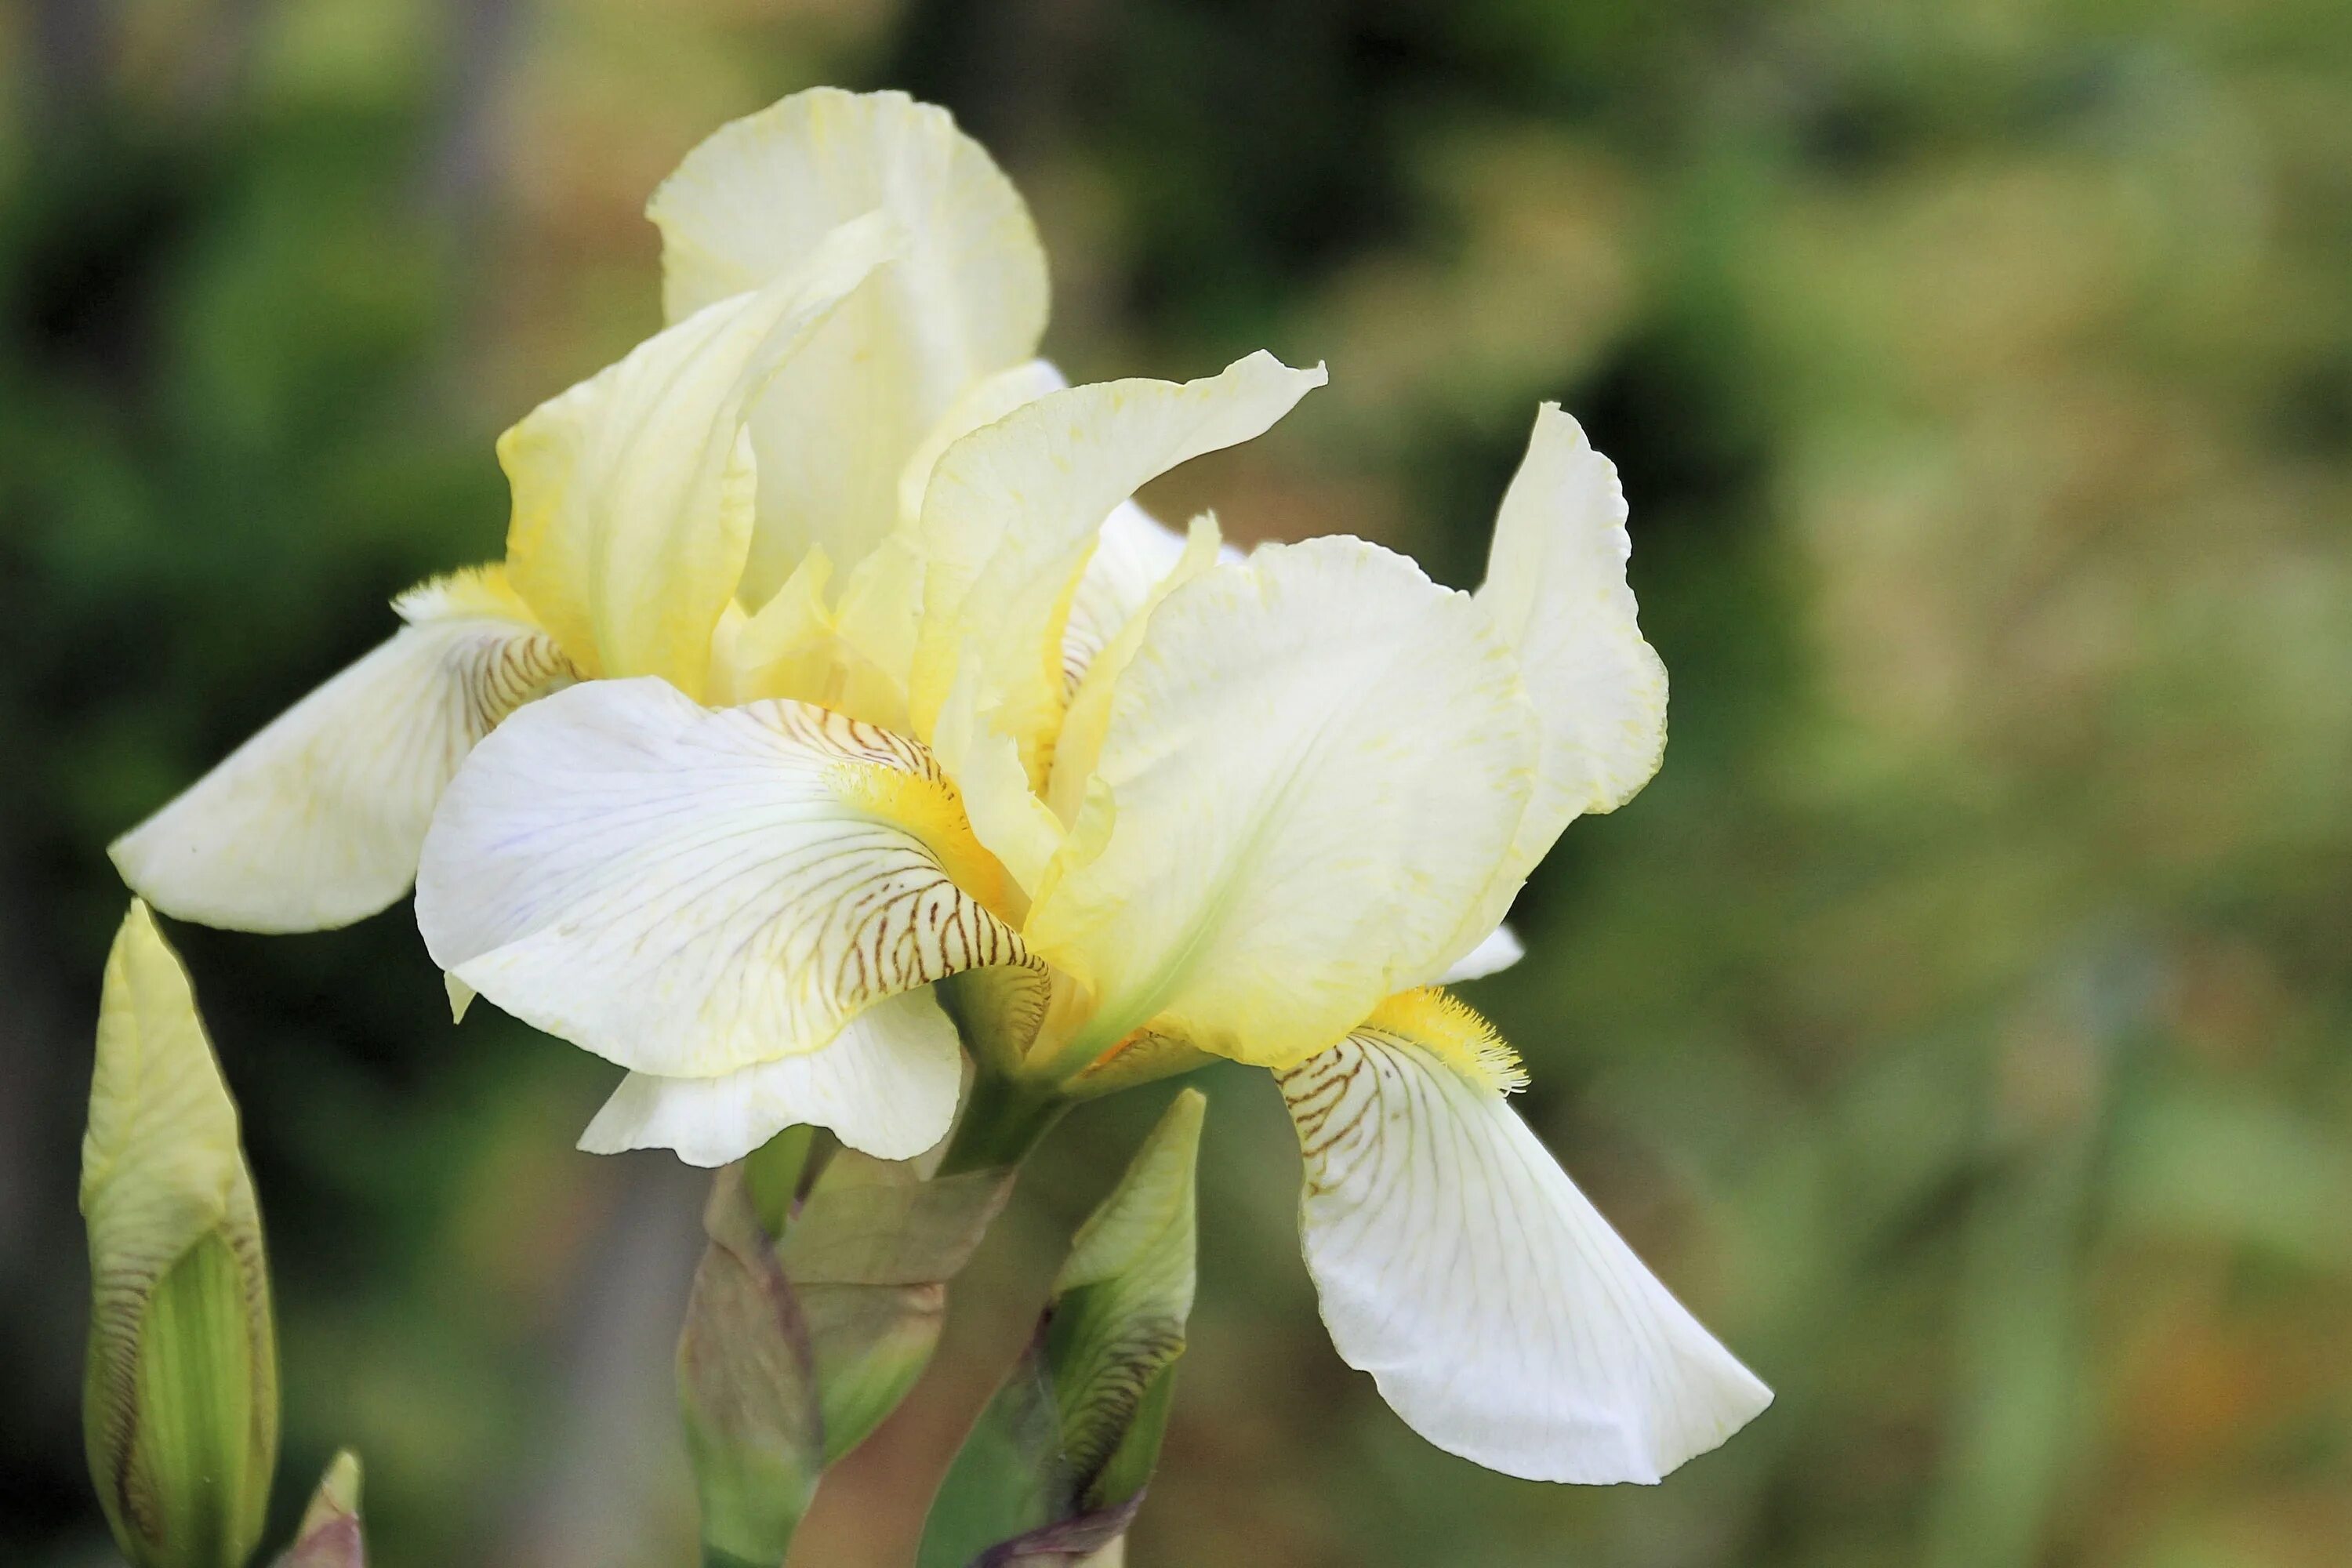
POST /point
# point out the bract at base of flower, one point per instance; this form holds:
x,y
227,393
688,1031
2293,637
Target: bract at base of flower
x,y
1056,1466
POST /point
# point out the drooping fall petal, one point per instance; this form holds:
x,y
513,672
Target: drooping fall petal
x,y
687,892
1456,1263
886,1085
632,491
1314,763
316,821
966,299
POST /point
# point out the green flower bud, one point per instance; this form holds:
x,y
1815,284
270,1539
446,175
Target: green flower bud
x,y
330,1535
180,1397
1055,1467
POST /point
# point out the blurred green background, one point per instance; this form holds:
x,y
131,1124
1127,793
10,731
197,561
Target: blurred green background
x,y
1958,1024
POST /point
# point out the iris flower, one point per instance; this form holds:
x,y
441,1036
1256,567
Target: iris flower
x,y
851,282
1129,804
1262,821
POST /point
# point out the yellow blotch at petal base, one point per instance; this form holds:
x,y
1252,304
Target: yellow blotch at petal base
x,y
687,892
929,805
468,591
1453,1031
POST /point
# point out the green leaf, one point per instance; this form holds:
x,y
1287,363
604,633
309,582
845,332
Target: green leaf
x,y
778,1173
1056,1469
2016,1425
180,1391
330,1534
794,1349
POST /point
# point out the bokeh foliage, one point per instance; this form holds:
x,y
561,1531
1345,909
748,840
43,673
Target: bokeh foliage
x,y
1958,1023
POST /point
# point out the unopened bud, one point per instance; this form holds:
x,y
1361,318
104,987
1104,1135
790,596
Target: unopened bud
x,y
329,1535
180,1397
1055,1467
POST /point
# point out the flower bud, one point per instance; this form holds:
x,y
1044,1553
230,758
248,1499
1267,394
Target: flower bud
x,y
1055,1467
180,1396
330,1534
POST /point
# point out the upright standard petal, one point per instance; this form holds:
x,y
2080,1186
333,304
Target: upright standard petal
x,y
687,891
886,1085
1015,510
632,491
1313,765
1131,561
1095,673
1556,587
1458,1264
967,298
1133,553
984,401
316,822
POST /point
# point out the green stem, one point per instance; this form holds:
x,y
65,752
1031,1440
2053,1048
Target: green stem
x,y
774,1172
1003,1119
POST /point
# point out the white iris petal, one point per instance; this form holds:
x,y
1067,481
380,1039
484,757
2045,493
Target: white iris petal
x,y
1497,1311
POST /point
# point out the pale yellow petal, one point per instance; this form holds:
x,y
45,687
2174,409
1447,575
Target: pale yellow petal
x,y
1127,614
786,649
1315,762
1006,816
161,1164
1456,1263
1556,587
1013,511
851,659
985,402
1132,559
687,891
632,491
795,618
886,1085
881,610
316,821
967,298
1496,951
1133,552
